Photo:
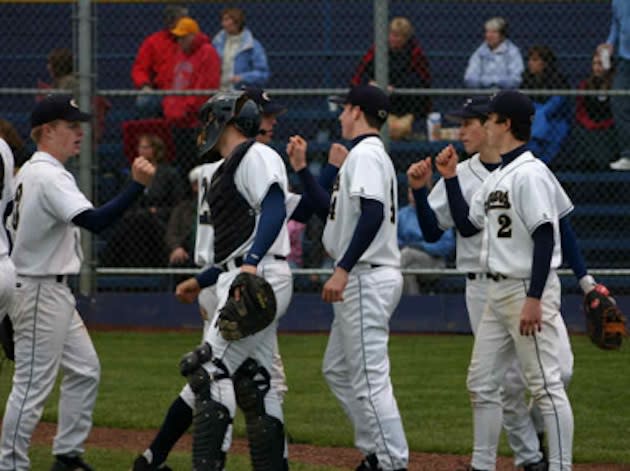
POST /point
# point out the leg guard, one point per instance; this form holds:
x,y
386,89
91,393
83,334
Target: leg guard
x,y
210,418
264,432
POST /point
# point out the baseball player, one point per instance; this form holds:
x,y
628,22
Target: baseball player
x,y
519,207
360,234
7,270
179,415
49,333
434,216
248,190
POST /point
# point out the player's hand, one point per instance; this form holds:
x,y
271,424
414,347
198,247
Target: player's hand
x,y
296,150
446,162
419,174
335,286
531,317
203,314
187,291
610,48
142,171
337,154
251,269
178,256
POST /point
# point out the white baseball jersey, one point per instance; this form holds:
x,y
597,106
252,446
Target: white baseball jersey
x,y
367,172
45,242
471,174
514,201
6,190
204,239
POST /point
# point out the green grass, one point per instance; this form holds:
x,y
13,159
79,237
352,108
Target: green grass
x,y
140,379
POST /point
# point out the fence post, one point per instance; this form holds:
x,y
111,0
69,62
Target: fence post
x,y
86,85
381,57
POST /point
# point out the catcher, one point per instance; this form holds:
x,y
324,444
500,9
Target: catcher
x,y
248,205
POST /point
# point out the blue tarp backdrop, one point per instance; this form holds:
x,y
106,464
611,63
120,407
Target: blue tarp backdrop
x,y
444,313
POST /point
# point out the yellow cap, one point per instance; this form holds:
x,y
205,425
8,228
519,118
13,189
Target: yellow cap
x,y
185,26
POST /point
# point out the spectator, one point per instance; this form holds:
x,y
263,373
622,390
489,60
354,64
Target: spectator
x,y
244,61
154,64
408,68
182,226
415,252
138,238
197,67
497,63
619,42
296,234
60,67
595,132
553,114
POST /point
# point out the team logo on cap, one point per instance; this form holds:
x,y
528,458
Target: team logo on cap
x,y
73,103
265,96
382,114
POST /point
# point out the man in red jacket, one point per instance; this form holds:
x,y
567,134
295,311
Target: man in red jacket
x,y
197,67
153,67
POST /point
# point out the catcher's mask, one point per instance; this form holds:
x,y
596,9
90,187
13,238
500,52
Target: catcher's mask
x,y
221,110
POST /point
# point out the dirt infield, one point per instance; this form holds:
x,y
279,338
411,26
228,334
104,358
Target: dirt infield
x,y
342,458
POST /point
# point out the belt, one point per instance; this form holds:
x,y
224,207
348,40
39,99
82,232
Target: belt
x,y
57,278
238,261
492,276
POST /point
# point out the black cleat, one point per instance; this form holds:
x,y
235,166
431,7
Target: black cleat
x,y
142,464
369,463
540,466
70,463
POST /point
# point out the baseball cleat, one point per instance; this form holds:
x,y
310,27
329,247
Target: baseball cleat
x,y
142,464
369,463
540,466
70,463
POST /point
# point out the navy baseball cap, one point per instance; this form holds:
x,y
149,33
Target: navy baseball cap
x,y
55,107
475,107
513,105
264,101
372,100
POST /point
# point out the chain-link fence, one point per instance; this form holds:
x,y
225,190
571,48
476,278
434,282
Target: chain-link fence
x,y
433,55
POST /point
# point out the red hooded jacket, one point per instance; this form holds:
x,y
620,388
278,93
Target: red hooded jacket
x,y
197,69
155,60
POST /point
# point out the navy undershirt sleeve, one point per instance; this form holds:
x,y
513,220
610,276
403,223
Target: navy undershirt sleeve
x,y
273,212
541,263
570,250
316,196
459,208
327,176
367,227
208,277
426,216
95,220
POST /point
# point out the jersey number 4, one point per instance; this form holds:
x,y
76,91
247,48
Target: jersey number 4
x,y
16,207
505,226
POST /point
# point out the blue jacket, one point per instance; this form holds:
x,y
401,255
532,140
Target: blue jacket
x,y
500,68
410,234
250,62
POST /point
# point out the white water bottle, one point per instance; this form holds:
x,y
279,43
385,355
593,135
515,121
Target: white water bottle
x,y
434,123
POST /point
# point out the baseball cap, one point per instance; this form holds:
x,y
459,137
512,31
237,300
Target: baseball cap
x,y
475,107
185,26
55,107
372,100
513,105
264,101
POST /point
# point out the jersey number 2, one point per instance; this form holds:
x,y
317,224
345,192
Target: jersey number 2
x,y
505,226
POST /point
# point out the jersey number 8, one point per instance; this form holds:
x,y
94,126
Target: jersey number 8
x,y
16,207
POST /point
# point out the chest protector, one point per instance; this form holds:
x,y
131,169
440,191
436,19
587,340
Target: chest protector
x,y
231,216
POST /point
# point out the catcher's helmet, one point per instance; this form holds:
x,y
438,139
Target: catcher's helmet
x,y
221,110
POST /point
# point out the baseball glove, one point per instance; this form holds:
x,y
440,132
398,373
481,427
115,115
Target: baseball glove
x,y
251,306
605,323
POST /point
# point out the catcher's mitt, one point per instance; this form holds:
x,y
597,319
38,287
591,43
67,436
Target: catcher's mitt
x,y
605,323
251,306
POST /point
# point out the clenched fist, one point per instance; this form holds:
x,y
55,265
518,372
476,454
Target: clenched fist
x,y
337,154
419,174
446,162
296,150
142,171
